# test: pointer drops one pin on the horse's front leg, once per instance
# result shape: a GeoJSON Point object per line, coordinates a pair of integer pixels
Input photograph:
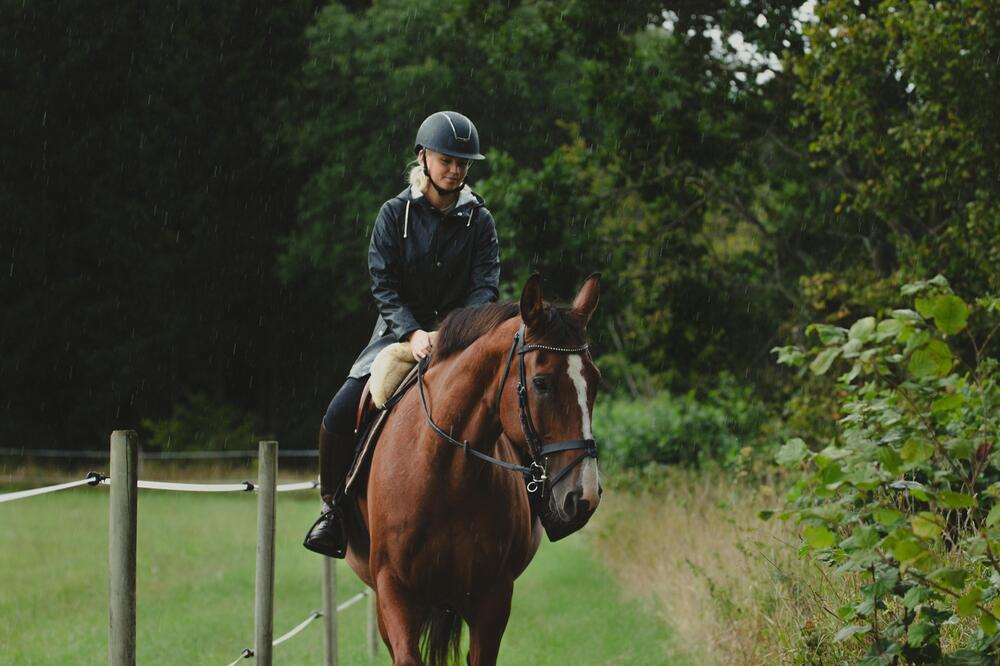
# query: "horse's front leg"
{"type": "Point", "coordinates": [487, 623]}
{"type": "Point", "coordinates": [399, 619]}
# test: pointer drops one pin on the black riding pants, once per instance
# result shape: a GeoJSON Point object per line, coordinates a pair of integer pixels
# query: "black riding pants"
{"type": "Point", "coordinates": [343, 409]}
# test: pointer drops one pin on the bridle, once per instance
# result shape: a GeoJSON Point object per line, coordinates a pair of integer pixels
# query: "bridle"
{"type": "Point", "coordinates": [536, 474]}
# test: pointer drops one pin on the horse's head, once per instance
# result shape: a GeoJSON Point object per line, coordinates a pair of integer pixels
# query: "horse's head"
{"type": "Point", "coordinates": [548, 413]}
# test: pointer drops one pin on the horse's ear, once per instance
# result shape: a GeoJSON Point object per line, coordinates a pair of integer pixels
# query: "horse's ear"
{"type": "Point", "coordinates": [586, 300]}
{"type": "Point", "coordinates": [532, 306]}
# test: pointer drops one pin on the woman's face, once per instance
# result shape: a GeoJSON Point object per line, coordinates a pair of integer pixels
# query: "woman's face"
{"type": "Point", "coordinates": [447, 171]}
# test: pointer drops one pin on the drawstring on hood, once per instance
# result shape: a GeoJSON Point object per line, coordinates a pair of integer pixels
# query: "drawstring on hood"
{"type": "Point", "coordinates": [465, 197]}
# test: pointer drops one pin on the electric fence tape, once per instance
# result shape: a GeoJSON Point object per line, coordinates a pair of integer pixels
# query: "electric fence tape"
{"type": "Point", "coordinates": [94, 479]}
{"type": "Point", "coordinates": [248, 653]}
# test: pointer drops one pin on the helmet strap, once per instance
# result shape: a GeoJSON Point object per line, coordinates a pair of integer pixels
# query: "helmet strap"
{"type": "Point", "coordinates": [440, 190]}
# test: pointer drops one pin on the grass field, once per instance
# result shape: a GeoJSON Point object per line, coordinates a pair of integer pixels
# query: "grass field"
{"type": "Point", "coordinates": [196, 580]}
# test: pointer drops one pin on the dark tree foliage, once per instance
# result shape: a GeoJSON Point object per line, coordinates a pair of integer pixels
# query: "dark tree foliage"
{"type": "Point", "coordinates": [187, 189]}
{"type": "Point", "coordinates": [141, 200]}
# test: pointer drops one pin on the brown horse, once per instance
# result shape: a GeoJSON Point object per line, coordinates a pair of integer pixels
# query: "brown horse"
{"type": "Point", "coordinates": [449, 529]}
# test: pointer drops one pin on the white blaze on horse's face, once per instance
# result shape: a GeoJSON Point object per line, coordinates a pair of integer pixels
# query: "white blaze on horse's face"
{"type": "Point", "coordinates": [589, 479]}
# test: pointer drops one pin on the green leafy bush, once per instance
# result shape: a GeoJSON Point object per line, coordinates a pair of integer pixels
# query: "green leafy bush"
{"type": "Point", "coordinates": [199, 423]}
{"type": "Point", "coordinates": [678, 429]}
{"type": "Point", "coordinates": [905, 496]}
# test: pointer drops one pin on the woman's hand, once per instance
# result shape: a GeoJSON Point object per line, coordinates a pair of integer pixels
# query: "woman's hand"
{"type": "Point", "coordinates": [421, 343]}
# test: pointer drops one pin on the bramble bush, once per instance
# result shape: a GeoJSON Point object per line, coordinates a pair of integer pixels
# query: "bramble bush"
{"type": "Point", "coordinates": [906, 494]}
{"type": "Point", "coordinates": [686, 430]}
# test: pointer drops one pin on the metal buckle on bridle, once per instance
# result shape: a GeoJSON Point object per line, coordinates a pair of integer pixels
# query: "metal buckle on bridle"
{"type": "Point", "coordinates": [538, 477]}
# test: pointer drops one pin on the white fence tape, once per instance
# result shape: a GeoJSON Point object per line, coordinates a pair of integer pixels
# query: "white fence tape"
{"type": "Point", "coordinates": [21, 494]}
{"type": "Point", "coordinates": [153, 455]}
{"type": "Point", "coordinates": [94, 479]}
{"type": "Point", "coordinates": [248, 653]}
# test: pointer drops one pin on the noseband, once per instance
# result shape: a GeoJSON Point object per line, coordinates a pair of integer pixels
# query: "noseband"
{"type": "Point", "coordinates": [536, 475]}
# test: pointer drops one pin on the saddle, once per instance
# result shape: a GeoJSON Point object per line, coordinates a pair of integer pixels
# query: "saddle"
{"type": "Point", "coordinates": [393, 373]}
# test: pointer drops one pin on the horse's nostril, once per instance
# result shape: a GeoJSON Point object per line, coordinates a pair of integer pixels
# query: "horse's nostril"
{"type": "Point", "coordinates": [569, 505]}
{"type": "Point", "coordinates": [575, 506]}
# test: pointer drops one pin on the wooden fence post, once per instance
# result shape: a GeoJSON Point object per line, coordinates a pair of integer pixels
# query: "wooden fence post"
{"type": "Point", "coordinates": [122, 547]}
{"type": "Point", "coordinates": [330, 610]}
{"type": "Point", "coordinates": [267, 475]}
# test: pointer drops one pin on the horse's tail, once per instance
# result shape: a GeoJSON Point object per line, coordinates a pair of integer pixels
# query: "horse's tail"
{"type": "Point", "coordinates": [442, 635]}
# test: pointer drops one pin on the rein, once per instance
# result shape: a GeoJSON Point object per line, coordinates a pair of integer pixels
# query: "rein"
{"type": "Point", "coordinates": [535, 475]}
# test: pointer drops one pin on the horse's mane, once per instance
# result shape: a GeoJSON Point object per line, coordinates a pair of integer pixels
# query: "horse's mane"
{"type": "Point", "coordinates": [464, 326]}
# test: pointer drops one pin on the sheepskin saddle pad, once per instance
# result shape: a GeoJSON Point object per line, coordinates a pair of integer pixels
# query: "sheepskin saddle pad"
{"type": "Point", "coordinates": [390, 368]}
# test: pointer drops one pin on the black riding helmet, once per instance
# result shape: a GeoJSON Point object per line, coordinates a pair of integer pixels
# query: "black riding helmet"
{"type": "Point", "coordinates": [451, 133]}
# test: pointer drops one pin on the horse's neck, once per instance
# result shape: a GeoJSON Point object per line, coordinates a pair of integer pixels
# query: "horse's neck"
{"type": "Point", "coordinates": [460, 394]}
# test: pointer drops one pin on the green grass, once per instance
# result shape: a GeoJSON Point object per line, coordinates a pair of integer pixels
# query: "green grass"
{"type": "Point", "coordinates": [196, 579]}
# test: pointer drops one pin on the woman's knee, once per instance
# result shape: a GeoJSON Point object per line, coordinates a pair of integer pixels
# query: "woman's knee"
{"type": "Point", "coordinates": [340, 413]}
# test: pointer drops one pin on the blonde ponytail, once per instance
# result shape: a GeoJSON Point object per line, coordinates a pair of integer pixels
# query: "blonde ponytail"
{"type": "Point", "coordinates": [416, 177]}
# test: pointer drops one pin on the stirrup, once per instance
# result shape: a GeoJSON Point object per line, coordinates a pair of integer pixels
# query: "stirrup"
{"type": "Point", "coordinates": [328, 535]}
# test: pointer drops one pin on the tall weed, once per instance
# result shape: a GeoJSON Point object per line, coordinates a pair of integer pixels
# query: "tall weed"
{"type": "Point", "coordinates": [733, 587]}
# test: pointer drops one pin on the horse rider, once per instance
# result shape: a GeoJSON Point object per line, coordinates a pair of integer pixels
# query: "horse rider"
{"type": "Point", "coordinates": [433, 249]}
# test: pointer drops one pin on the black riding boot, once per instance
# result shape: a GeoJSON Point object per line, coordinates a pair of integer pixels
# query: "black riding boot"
{"type": "Point", "coordinates": [328, 535]}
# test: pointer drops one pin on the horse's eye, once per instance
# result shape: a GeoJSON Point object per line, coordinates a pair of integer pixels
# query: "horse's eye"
{"type": "Point", "coordinates": [542, 383]}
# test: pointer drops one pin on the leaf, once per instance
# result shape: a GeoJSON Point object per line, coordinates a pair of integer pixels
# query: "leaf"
{"type": "Point", "coordinates": [862, 538]}
{"type": "Point", "coordinates": [907, 551]}
{"type": "Point", "coordinates": [916, 450]}
{"type": "Point", "coordinates": [951, 577]}
{"type": "Point", "coordinates": [765, 514]}
{"type": "Point", "coordinates": [925, 306]}
{"type": "Point", "coordinates": [906, 315]}
{"type": "Point", "coordinates": [914, 340]}
{"type": "Point", "coordinates": [993, 516]}
{"type": "Point", "coordinates": [828, 335]}
{"type": "Point", "coordinates": [831, 475]}
{"type": "Point", "coordinates": [988, 624]}
{"type": "Point", "coordinates": [824, 360]}
{"type": "Point", "coordinates": [967, 605]}
{"type": "Point", "coordinates": [950, 312]}
{"type": "Point", "coordinates": [790, 355]}
{"type": "Point", "coordinates": [989, 303]}
{"type": "Point", "coordinates": [932, 361]}
{"type": "Point", "coordinates": [917, 595]}
{"type": "Point", "coordinates": [851, 630]}
{"type": "Point", "coordinates": [792, 453]}
{"type": "Point", "coordinates": [852, 348]}
{"type": "Point", "coordinates": [889, 328]}
{"type": "Point", "coordinates": [862, 329]}
{"type": "Point", "coordinates": [920, 634]}
{"type": "Point", "coordinates": [918, 490]}
{"type": "Point", "coordinates": [926, 524]}
{"type": "Point", "coordinates": [889, 458]}
{"type": "Point", "coordinates": [952, 500]}
{"type": "Point", "coordinates": [960, 447]}
{"type": "Point", "coordinates": [819, 538]}
{"type": "Point", "coordinates": [887, 517]}
{"type": "Point", "coordinates": [947, 403]}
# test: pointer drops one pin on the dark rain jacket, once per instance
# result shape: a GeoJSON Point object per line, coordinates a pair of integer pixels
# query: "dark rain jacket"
{"type": "Point", "coordinates": [425, 264]}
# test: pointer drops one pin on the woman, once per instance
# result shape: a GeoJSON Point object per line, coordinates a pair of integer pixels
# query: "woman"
{"type": "Point", "coordinates": [433, 249]}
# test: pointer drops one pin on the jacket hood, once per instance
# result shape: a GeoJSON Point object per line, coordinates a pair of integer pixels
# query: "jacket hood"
{"type": "Point", "coordinates": [466, 197]}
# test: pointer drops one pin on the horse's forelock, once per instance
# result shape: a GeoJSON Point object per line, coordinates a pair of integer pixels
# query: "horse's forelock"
{"type": "Point", "coordinates": [466, 325]}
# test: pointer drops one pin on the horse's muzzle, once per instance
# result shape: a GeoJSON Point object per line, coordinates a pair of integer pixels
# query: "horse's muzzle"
{"type": "Point", "coordinates": [575, 513]}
